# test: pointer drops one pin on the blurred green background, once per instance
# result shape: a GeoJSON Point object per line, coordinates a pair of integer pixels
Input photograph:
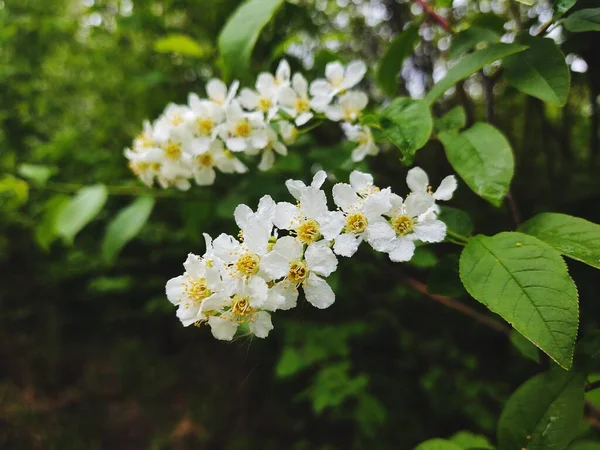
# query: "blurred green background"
{"type": "Point", "coordinates": [91, 353]}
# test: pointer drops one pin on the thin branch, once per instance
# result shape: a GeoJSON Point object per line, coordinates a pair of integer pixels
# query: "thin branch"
{"type": "Point", "coordinates": [593, 385]}
{"type": "Point", "coordinates": [441, 21]}
{"type": "Point", "coordinates": [458, 306]}
{"type": "Point", "coordinates": [514, 210]}
{"type": "Point", "coordinates": [128, 191]}
{"type": "Point", "coordinates": [592, 414]}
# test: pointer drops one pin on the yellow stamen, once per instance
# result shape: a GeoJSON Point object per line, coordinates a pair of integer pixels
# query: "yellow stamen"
{"type": "Point", "coordinates": [197, 290]}
{"type": "Point", "coordinates": [173, 150]}
{"type": "Point", "coordinates": [205, 126]}
{"type": "Point", "coordinates": [298, 272]}
{"type": "Point", "coordinates": [247, 264]}
{"type": "Point", "coordinates": [403, 224]}
{"type": "Point", "coordinates": [308, 231]}
{"type": "Point", "coordinates": [241, 306]}
{"type": "Point", "coordinates": [206, 160]}
{"type": "Point", "coordinates": [356, 223]}
{"type": "Point", "coordinates": [265, 104]}
{"type": "Point", "coordinates": [243, 129]}
{"type": "Point", "coordinates": [302, 105]}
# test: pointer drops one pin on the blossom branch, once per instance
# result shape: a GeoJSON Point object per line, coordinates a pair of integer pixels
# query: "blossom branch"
{"type": "Point", "coordinates": [441, 21]}
{"type": "Point", "coordinates": [458, 306]}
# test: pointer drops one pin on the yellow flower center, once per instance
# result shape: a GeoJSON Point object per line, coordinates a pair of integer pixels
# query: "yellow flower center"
{"type": "Point", "coordinates": [363, 139]}
{"type": "Point", "coordinates": [241, 306]}
{"type": "Point", "coordinates": [176, 120]}
{"type": "Point", "coordinates": [228, 154]}
{"type": "Point", "coordinates": [173, 150]}
{"type": "Point", "coordinates": [197, 290]}
{"type": "Point", "coordinates": [206, 160]}
{"type": "Point", "coordinates": [243, 129]}
{"type": "Point", "coordinates": [356, 223]}
{"type": "Point", "coordinates": [298, 272]}
{"type": "Point", "coordinates": [247, 264]}
{"type": "Point", "coordinates": [205, 126]}
{"type": "Point", "coordinates": [302, 105]}
{"type": "Point", "coordinates": [308, 231]}
{"type": "Point", "coordinates": [403, 224]}
{"type": "Point", "coordinates": [264, 104]}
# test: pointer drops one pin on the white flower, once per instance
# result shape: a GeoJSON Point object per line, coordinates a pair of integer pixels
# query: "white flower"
{"type": "Point", "coordinates": [339, 79]}
{"type": "Point", "coordinates": [203, 165]}
{"type": "Point", "coordinates": [173, 122]}
{"type": "Point", "coordinates": [407, 224]}
{"type": "Point", "coordinates": [288, 132]}
{"type": "Point", "coordinates": [217, 92]}
{"type": "Point", "coordinates": [363, 209]}
{"type": "Point", "coordinates": [243, 131]}
{"type": "Point", "coordinates": [268, 152]}
{"type": "Point", "coordinates": [418, 181]}
{"type": "Point", "coordinates": [208, 117]}
{"type": "Point", "coordinates": [287, 260]}
{"type": "Point", "coordinates": [348, 108]}
{"type": "Point", "coordinates": [362, 135]}
{"type": "Point", "coordinates": [295, 100]}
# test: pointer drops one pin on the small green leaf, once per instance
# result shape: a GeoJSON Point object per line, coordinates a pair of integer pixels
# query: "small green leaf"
{"type": "Point", "coordinates": [453, 120]}
{"type": "Point", "coordinates": [14, 192]}
{"type": "Point", "coordinates": [562, 6]}
{"type": "Point", "coordinates": [438, 444]}
{"type": "Point", "coordinates": [483, 158]}
{"type": "Point", "coordinates": [526, 348]}
{"type": "Point", "coordinates": [469, 39]}
{"type": "Point", "coordinates": [540, 71]}
{"type": "Point", "coordinates": [82, 208]}
{"type": "Point", "coordinates": [36, 172]}
{"type": "Point", "coordinates": [526, 282]}
{"type": "Point", "coordinates": [125, 226]}
{"type": "Point", "coordinates": [468, 440]}
{"type": "Point", "coordinates": [45, 232]}
{"type": "Point", "coordinates": [457, 220]}
{"type": "Point", "coordinates": [572, 236]}
{"type": "Point", "coordinates": [239, 35]}
{"type": "Point", "coordinates": [470, 64]}
{"type": "Point", "coordinates": [181, 44]}
{"type": "Point", "coordinates": [583, 20]}
{"type": "Point", "coordinates": [391, 63]}
{"type": "Point", "coordinates": [543, 413]}
{"type": "Point", "coordinates": [408, 124]}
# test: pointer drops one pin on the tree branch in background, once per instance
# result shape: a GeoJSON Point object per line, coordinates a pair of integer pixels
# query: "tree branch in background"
{"type": "Point", "coordinates": [593, 385]}
{"type": "Point", "coordinates": [458, 306]}
{"type": "Point", "coordinates": [441, 21]}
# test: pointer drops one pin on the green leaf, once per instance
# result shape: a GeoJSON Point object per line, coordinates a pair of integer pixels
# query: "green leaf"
{"type": "Point", "coordinates": [181, 44]}
{"type": "Point", "coordinates": [424, 258]}
{"type": "Point", "coordinates": [457, 220]}
{"type": "Point", "coordinates": [562, 6]}
{"type": "Point", "coordinates": [583, 20]}
{"type": "Point", "coordinates": [36, 172]}
{"type": "Point", "coordinates": [391, 63]}
{"type": "Point", "coordinates": [470, 64]}
{"type": "Point", "coordinates": [45, 232]}
{"type": "Point", "coordinates": [14, 192]}
{"type": "Point", "coordinates": [82, 208]}
{"type": "Point", "coordinates": [468, 39]}
{"type": "Point", "coordinates": [526, 348]}
{"type": "Point", "coordinates": [483, 158]}
{"type": "Point", "coordinates": [543, 413]}
{"type": "Point", "coordinates": [438, 444]}
{"type": "Point", "coordinates": [572, 236]}
{"type": "Point", "coordinates": [584, 445]}
{"type": "Point", "coordinates": [540, 71]}
{"type": "Point", "coordinates": [408, 124]}
{"type": "Point", "coordinates": [453, 120]}
{"type": "Point", "coordinates": [239, 35]}
{"type": "Point", "coordinates": [125, 226]}
{"type": "Point", "coordinates": [526, 282]}
{"type": "Point", "coordinates": [468, 440]}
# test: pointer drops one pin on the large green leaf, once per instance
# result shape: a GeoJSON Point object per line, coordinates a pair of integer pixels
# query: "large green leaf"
{"type": "Point", "coordinates": [562, 6]}
{"type": "Point", "coordinates": [483, 158]}
{"type": "Point", "coordinates": [525, 347]}
{"type": "Point", "coordinates": [240, 33]}
{"type": "Point", "coordinates": [526, 282]}
{"type": "Point", "coordinates": [125, 226]}
{"type": "Point", "coordinates": [407, 123]}
{"type": "Point", "coordinates": [468, 39]}
{"type": "Point", "coordinates": [391, 63]}
{"type": "Point", "coordinates": [453, 120]}
{"type": "Point", "coordinates": [82, 208]}
{"type": "Point", "coordinates": [470, 64]}
{"type": "Point", "coordinates": [438, 444]}
{"type": "Point", "coordinates": [543, 413]}
{"type": "Point", "coordinates": [572, 236]}
{"type": "Point", "coordinates": [583, 20]}
{"type": "Point", "coordinates": [584, 445]}
{"type": "Point", "coordinates": [540, 71]}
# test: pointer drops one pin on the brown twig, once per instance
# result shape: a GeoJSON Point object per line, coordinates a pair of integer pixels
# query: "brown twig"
{"type": "Point", "coordinates": [592, 414]}
{"type": "Point", "coordinates": [458, 306]}
{"type": "Point", "coordinates": [514, 210]}
{"type": "Point", "coordinates": [441, 21]}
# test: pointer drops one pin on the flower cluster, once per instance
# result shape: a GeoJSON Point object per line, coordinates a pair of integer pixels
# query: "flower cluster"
{"type": "Point", "coordinates": [283, 248]}
{"type": "Point", "coordinates": [188, 142]}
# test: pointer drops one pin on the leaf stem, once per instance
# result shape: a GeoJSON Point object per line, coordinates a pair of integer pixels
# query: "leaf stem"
{"type": "Point", "coordinates": [592, 385]}
{"type": "Point", "coordinates": [456, 238]}
{"type": "Point", "coordinates": [441, 21]}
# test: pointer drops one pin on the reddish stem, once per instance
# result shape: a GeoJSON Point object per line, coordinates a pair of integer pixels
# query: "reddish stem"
{"type": "Point", "coordinates": [435, 16]}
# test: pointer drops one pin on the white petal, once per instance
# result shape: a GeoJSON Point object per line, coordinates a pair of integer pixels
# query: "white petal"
{"type": "Point", "coordinates": [266, 208]}
{"type": "Point", "coordinates": [380, 236]}
{"type": "Point", "coordinates": [188, 314]}
{"type": "Point", "coordinates": [318, 293]}
{"type": "Point", "coordinates": [320, 258]}
{"type": "Point", "coordinates": [261, 324]}
{"type": "Point", "coordinates": [241, 214]}
{"type": "Point", "coordinates": [354, 73]}
{"type": "Point", "coordinates": [344, 196]}
{"type": "Point", "coordinates": [417, 180]}
{"type": "Point", "coordinates": [303, 118]}
{"type": "Point", "coordinates": [446, 189]}
{"type": "Point", "coordinates": [334, 71]}
{"type": "Point", "coordinates": [295, 187]}
{"type": "Point", "coordinates": [331, 224]}
{"type": "Point", "coordinates": [319, 179]}
{"type": "Point", "coordinates": [248, 99]}
{"type": "Point", "coordinates": [265, 82]}
{"type": "Point", "coordinates": [283, 71]}
{"type": "Point", "coordinates": [321, 88]}
{"type": "Point", "coordinates": [346, 244]}
{"type": "Point", "coordinates": [403, 250]}
{"type": "Point", "coordinates": [266, 160]}
{"type": "Point", "coordinates": [216, 90]}
{"type": "Point", "coordinates": [313, 202]}
{"type": "Point", "coordinates": [175, 289]}
{"type": "Point", "coordinates": [360, 181]}
{"type": "Point", "coordinates": [194, 266]}
{"type": "Point", "coordinates": [378, 203]}
{"type": "Point", "coordinates": [260, 139]}
{"type": "Point", "coordinates": [300, 84]}
{"type": "Point", "coordinates": [274, 265]}
{"type": "Point", "coordinates": [236, 144]}
{"type": "Point", "coordinates": [205, 176]}
{"type": "Point", "coordinates": [417, 203]}
{"type": "Point", "coordinates": [226, 248]}
{"type": "Point", "coordinates": [256, 235]}
{"type": "Point", "coordinates": [287, 97]}
{"type": "Point", "coordinates": [290, 247]}
{"type": "Point", "coordinates": [258, 290]}
{"type": "Point", "coordinates": [285, 215]}
{"type": "Point", "coordinates": [222, 329]}
{"type": "Point", "coordinates": [431, 231]}
{"type": "Point", "coordinates": [334, 113]}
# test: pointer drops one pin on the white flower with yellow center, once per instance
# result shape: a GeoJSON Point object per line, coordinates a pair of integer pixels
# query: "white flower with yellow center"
{"type": "Point", "coordinates": [264, 98]}
{"type": "Point", "coordinates": [218, 92]}
{"type": "Point", "coordinates": [174, 121]}
{"type": "Point", "coordinates": [363, 209]}
{"type": "Point", "coordinates": [203, 165]}
{"type": "Point", "coordinates": [363, 136]}
{"type": "Point", "coordinates": [348, 108]}
{"type": "Point", "coordinates": [407, 223]}
{"type": "Point", "coordinates": [288, 132]}
{"type": "Point", "coordinates": [243, 131]}
{"type": "Point", "coordinates": [205, 125]}
{"type": "Point", "coordinates": [288, 260]}
{"type": "Point", "coordinates": [338, 79]}
{"type": "Point", "coordinates": [273, 146]}
{"type": "Point", "coordinates": [418, 181]}
{"type": "Point", "coordinates": [295, 100]}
